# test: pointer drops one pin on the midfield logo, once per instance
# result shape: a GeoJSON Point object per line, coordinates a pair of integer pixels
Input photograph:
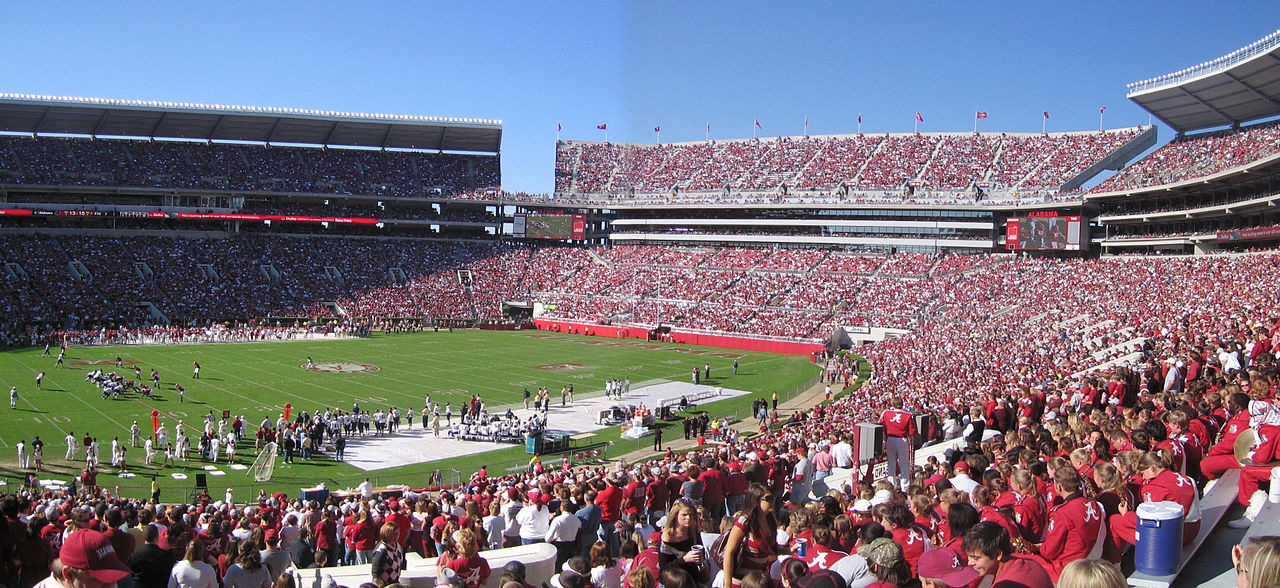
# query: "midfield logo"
{"type": "Point", "coordinates": [337, 367]}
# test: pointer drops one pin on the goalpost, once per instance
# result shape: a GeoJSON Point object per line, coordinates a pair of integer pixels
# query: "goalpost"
{"type": "Point", "coordinates": [265, 465]}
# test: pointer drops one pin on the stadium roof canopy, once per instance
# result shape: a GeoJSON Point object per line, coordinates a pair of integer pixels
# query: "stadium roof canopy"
{"type": "Point", "coordinates": [29, 113]}
{"type": "Point", "coordinates": [1234, 89]}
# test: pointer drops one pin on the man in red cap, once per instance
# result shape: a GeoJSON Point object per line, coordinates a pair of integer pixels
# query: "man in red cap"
{"type": "Point", "coordinates": [87, 561]}
{"type": "Point", "coordinates": [401, 520]}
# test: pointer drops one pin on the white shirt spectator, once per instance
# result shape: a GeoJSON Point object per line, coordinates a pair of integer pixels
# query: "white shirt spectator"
{"type": "Point", "coordinates": [564, 527]}
{"type": "Point", "coordinates": [534, 521]}
{"type": "Point", "coordinates": [963, 483]}
{"type": "Point", "coordinates": [842, 452]}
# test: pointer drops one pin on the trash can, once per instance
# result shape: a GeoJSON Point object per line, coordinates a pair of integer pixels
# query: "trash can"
{"type": "Point", "coordinates": [1158, 548]}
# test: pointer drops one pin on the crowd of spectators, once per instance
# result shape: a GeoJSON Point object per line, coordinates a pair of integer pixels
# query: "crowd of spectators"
{"type": "Point", "coordinates": [1197, 156]}
{"type": "Point", "coordinates": [946, 166]}
{"type": "Point", "coordinates": [1068, 376]}
{"type": "Point", "coordinates": [908, 264]}
{"type": "Point", "coordinates": [170, 164]}
{"type": "Point", "coordinates": [83, 281]}
{"type": "Point", "coordinates": [106, 281]}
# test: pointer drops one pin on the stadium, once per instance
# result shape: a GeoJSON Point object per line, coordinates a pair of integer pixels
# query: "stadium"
{"type": "Point", "coordinates": [951, 339]}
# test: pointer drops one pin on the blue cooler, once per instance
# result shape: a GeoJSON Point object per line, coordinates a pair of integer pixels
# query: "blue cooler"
{"type": "Point", "coordinates": [1158, 548]}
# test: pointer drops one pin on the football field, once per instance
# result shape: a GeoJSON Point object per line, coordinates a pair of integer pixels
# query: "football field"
{"type": "Point", "coordinates": [256, 380]}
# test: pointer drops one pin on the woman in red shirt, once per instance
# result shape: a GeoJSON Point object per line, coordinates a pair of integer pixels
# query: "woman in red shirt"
{"type": "Point", "coordinates": [987, 512]}
{"type": "Point", "coordinates": [1160, 484]}
{"type": "Point", "coordinates": [363, 536]}
{"type": "Point", "coordinates": [751, 545]}
{"type": "Point", "coordinates": [1028, 507]}
{"type": "Point", "coordinates": [469, 566]}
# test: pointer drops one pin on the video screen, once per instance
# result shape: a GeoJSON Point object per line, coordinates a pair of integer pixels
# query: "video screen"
{"type": "Point", "coordinates": [550, 226]}
{"type": "Point", "coordinates": [1057, 233]}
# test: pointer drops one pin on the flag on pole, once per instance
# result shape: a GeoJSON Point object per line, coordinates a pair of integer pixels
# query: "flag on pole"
{"type": "Point", "coordinates": [859, 118]}
{"type": "Point", "coordinates": [806, 124]}
{"type": "Point", "coordinates": [603, 127]}
{"type": "Point", "coordinates": [1102, 110]}
{"type": "Point", "coordinates": [1046, 114]}
{"type": "Point", "coordinates": [558, 129]}
{"type": "Point", "coordinates": [758, 123]}
{"type": "Point", "coordinates": [981, 114]}
{"type": "Point", "coordinates": [708, 127]}
{"type": "Point", "coordinates": [919, 118]}
{"type": "Point", "coordinates": [657, 129]}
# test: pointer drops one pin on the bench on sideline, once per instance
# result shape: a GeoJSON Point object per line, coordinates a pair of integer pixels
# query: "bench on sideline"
{"type": "Point", "coordinates": [1213, 506]}
{"type": "Point", "coordinates": [1266, 523]}
{"type": "Point", "coordinates": [691, 398]}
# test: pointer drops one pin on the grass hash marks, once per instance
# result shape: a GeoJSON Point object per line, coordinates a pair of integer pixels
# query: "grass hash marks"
{"type": "Point", "coordinates": [257, 379]}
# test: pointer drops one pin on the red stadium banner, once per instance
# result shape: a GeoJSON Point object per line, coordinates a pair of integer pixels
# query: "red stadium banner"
{"type": "Point", "coordinates": [276, 217]}
{"type": "Point", "coordinates": [1249, 234]}
{"type": "Point", "coordinates": [579, 227]}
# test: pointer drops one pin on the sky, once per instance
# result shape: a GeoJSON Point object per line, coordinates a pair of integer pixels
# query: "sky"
{"type": "Point", "coordinates": [633, 65]}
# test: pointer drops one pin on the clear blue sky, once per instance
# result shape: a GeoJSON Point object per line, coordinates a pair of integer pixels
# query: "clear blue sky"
{"type": "Point", "coordinates": [632, 65]}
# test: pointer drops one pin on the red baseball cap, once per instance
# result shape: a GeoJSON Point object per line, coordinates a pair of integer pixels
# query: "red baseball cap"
{"type": "Point", "coordinates": [944, 564]}
{"type": "Point", "coordinates": [90, 550]}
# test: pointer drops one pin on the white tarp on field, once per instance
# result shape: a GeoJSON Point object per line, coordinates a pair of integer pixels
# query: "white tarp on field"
{"type": "Point", "coordinates": [414, 445]}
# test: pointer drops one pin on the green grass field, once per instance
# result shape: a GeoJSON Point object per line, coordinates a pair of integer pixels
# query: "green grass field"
{"type": "Point", "coordinates": [257, 379]}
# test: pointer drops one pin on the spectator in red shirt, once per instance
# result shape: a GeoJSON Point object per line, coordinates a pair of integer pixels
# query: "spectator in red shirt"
{"type": "Point", "coordinates": [401, 520]}
{"type": "Point", "coordinates": [656, 493]}
{"type": "Point", "coordinates": [735, 488]}
{"type": "Point", "coordinates": [899, 521]}
{"type": "Point", "coordinates": [1222, 455]}
{"type": "Point", "coordinates": [1076, 527]}
{"type": "Point", "coordinates": [610, 502]}
{"type": "Point", "coordinates": [899, 427]}
{"type": "Point", "coordinates": [713, 490]}
{"type": "Point", "coordinates": [326, 533]}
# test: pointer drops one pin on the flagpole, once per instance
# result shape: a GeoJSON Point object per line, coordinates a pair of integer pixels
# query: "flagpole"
{"type": "Point", "coordinates": [557, 131]}
{"type": "Point", "coordinates": [859, 123]}
{"type": "Point", "coordinates": [915, 128]}
{"type": "Point", "coordinates": [975, 122]}
{"type": "Point", "coordinates": [708, 132]}
{"type": "Point", "coordinates": [755, 125]}
{"type": "Point", "coordinates": [1044, 122]}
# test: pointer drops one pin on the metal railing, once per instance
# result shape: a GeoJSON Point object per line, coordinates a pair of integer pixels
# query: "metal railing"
{"type": "Point", "coordinates": [1259, 47]}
